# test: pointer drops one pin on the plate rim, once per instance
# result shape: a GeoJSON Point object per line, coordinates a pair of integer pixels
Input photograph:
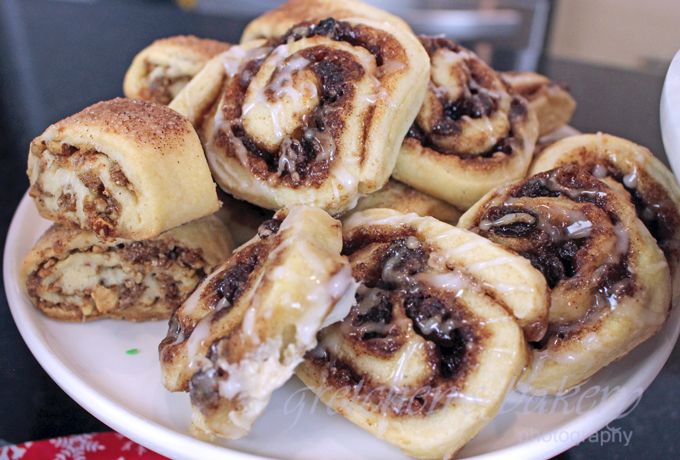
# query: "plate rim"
{"type": "Point", "coordinates": [173, 444]}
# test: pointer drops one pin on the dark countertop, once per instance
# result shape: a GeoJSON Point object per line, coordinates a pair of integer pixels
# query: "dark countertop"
{"type": "Point", "coordinates": [43, 79]}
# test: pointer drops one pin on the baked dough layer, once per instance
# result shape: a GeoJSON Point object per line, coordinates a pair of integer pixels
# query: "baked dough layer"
{"type": "Point", "coordinates": [400, 197]}
{"type": "Point", "coordinates": [160, 71]}
{"type": "Point", "coordinates": [551, 101]}
{"type": "Point", "coordinates": [71, 275]}
{"type": "Point", "coordinates": [123, 169]}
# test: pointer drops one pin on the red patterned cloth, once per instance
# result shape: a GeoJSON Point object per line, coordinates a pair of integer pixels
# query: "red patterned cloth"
{"type": "Point", "coordinates": [95, 446]}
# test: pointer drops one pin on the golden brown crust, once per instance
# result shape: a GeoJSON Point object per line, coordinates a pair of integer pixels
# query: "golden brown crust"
{"type": "Point", "coordinates": [143, 121]}
{"type": "Point", "coordinates": [400, 197]}
{"type": "Point", "coordinates": [204, 47]}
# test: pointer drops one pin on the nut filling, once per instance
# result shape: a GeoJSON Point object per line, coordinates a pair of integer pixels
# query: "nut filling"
{"type": "Point", "coordinates": [394, 301]}
{"type": "Point", "coordinates": [304, 157]}
{"type": "Point", "coordinates": [135, 281]}
{"type": "Point", "coordinates": [85, 198]}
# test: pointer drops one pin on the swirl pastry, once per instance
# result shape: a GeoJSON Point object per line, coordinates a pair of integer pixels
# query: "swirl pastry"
{"type": "Point", "coordinates": [551, 101]}
{"type": "Point", "coordinates": [123, 169]}
{"type": "Point", "coordinates": [241, 333]}
{"type": "Point", "coordinates": [633, 169]}
{"type": "Point", "coordinates": [71, 275]}
{"type": "Point", "coordinates": [277, 22]}
{"type": "Point", "coordinates": [471, 134]}
{"type": "Point", "coordinates": [425, 357]}
{"type": "Point", "coordinates": [610, 282]}
{"type": "Point", "coordinates": [400, 197]}
{"type": "Point", "coordinates": [314, 117]}
{"type": "Point", "coordinates": [160, 71]}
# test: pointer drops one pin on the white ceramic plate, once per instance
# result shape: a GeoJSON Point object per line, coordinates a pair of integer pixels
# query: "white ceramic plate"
{"type": "Point", "coordinates": [89, 361]}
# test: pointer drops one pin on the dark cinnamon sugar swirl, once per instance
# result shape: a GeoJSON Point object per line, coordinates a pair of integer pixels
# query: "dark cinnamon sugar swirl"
{"type": "Point", "coordinates": [425, 357]}
{"type": "Point", "coordinates": [610, 281]}
{"type": "Point", "coordinates": [160, 71]}
{"type": "Point", "coordinates": [241, 333]}
{"type": "Point", "coordinates": [313, 117]}
{"type": "Point", "coordinates": [638, 174]}
{"type": "Point", "coordinates": [71, 275]}
{"type": "Point", "coordinates": [471, 134]}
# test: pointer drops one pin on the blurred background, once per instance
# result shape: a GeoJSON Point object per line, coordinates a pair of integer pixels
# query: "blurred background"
{"type": "Point", "coordinates": [59, 56]}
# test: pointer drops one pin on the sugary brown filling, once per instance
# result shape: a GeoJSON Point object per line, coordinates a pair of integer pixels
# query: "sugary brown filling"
{"type": "Point", "coordinates": [308, 153]}
{"type": "Point", "coordinates": [389, 293]}
{"type": "Point", "coordinates": [102, 209]}
{"type": "Point", "coordinates": [145, 257]}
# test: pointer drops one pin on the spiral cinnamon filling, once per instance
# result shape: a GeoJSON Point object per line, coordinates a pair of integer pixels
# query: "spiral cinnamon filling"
{"type": "Point", "coordinates": [305, 157]}
{"type": "Point", "coordinates": [96, 179]}
{"type": "Point", "coordinates": [565, 241]}
{"type": "Point", "coordinates": [396, 299]}
{"type": "Point", "coordinates": [480, 96]}
{"type": "Point", "coordinates": [224, 290]}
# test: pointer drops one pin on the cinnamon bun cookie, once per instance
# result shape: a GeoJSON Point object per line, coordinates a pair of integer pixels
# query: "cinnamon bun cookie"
{"type": "Point", "coordinates": [314, 117]}
{"type": "Point", "coordinates": [638, 174]}
{"type": "Point", "coordinates": [123, 169]}
{"type": "Point", "coordinates": [471, 134]}
{"type": "Point", "coordinates": [400, 197]}
{"type": "Point", "coordinates": [551, 101]}
{"type": "Point", "coordinates": [425, 357]}
{"type": "Point", "coordinates": [277, 22]}
{"type": "Point", "coordinates": [160, 71]}
{"type": "Point", "coordinates": [610, 281]}
{"type": "Point", "coordinates": [71, 275]}
{"type": "Point", "coordinates": [241, 333]}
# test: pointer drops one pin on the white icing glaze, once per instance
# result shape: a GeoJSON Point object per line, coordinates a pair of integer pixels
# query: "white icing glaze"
{"type": "Point", "coordinates": [599, 171]}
